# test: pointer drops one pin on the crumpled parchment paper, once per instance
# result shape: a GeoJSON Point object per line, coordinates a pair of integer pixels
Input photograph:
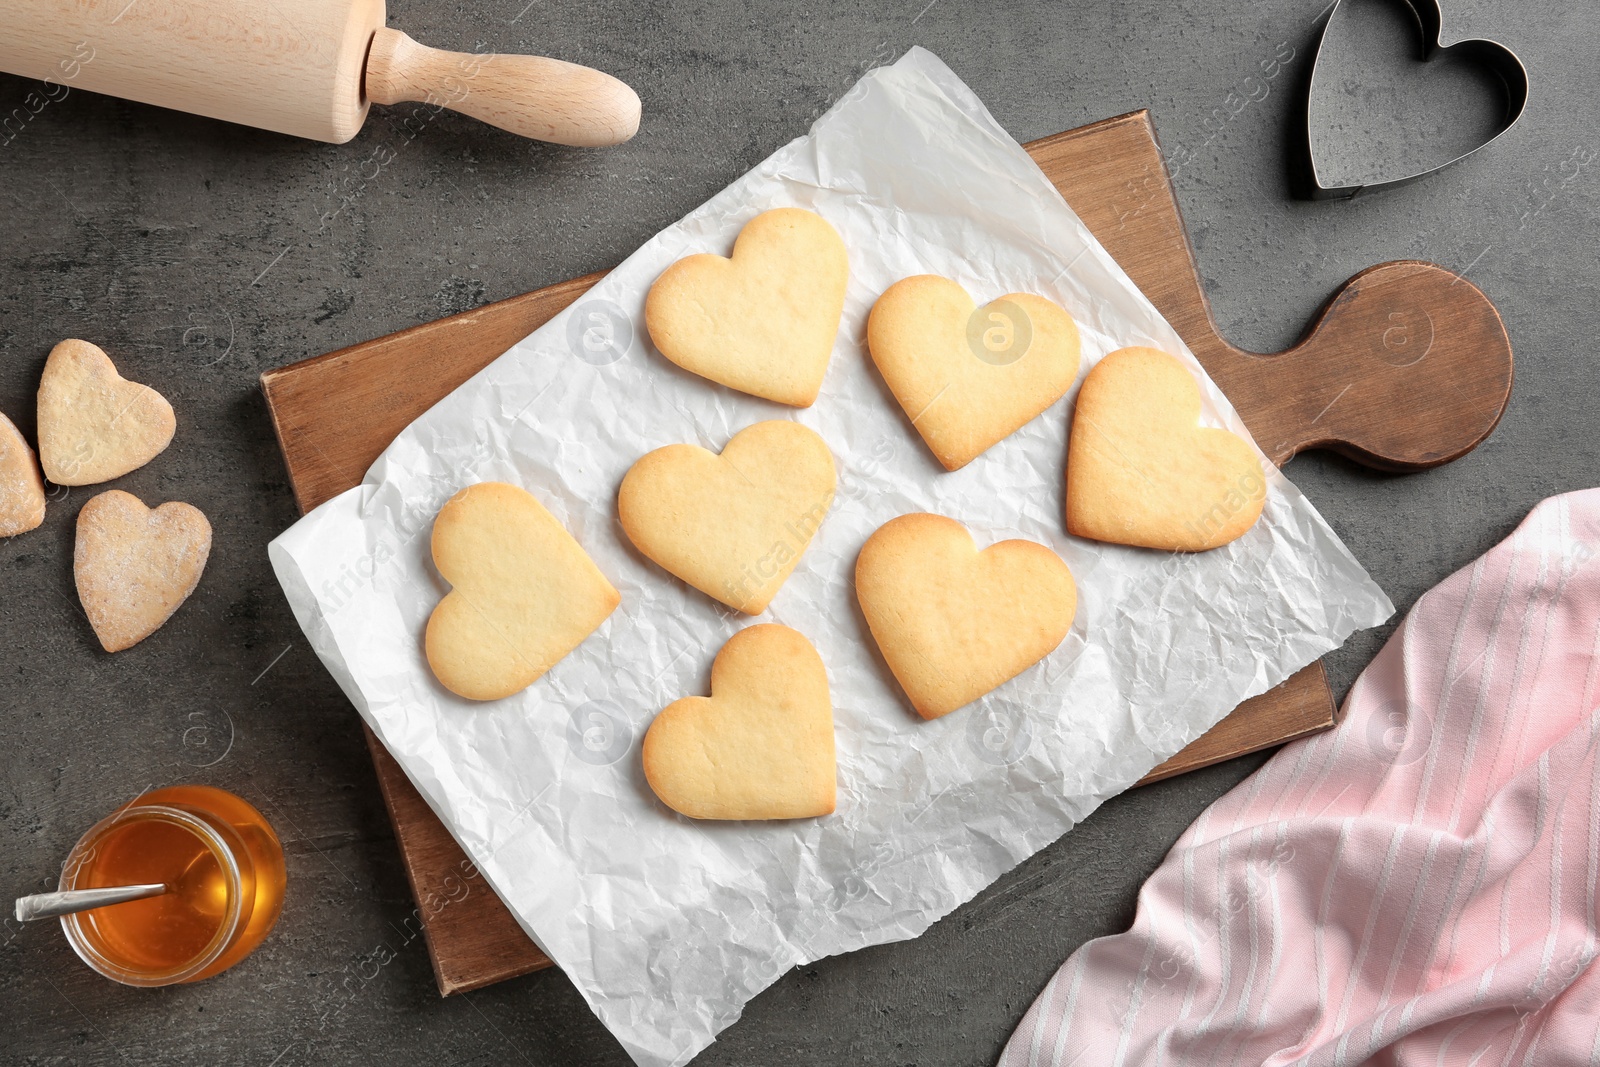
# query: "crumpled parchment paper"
{"type": "Point", "coordinates": [668, 926]}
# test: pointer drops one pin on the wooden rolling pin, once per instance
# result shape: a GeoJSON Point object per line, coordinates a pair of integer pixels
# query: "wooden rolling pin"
{"type": "Point", "coordinates": [310, 68]}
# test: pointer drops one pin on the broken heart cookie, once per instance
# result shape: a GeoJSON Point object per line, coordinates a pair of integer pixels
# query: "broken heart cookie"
{"type": "Point", "coordinates": [953, 622]}
{"type": "Point", "coordinates": [523, 592]}
{"type": "Point", "coordinates": [733, 526]}
{"type": "Point", "coordinates": [1142, 471]}
{"type": "Point", "coordinates": [94, 424]}
{"type": "Point", "coordinates": [969, 377]}
{"type": "Point", "coordinates": [135, 566]}
{"type": "Point", "coordinates": [760, 746]}
{"type": "Point", "coordinates": [764, 321]}
{"type": "Point", "coordinates": [21, 488]}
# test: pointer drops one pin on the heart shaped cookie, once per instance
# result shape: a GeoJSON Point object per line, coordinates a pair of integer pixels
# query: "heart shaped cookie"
{"type": "Point", "coordinates": [733, 526]}
{"type": "Point", "coordinates": [1141, 470]}
{"type": "Point", "coordinates": [94, 424]}
{"type": "Point", "coordinates": [760, 746]}
{"type": "Point", "coordinates": [21, 488]}
{"type": "Point", "coordinates": [523, 592]}
{"type": "Point", "coordinates": [952, 622]}
{"type": "Point", "coordinates": [135, 566]}
{"type": "Point", "coordinates": [966, 376]}
{"type": "Point", "coordinates": [764, 321]}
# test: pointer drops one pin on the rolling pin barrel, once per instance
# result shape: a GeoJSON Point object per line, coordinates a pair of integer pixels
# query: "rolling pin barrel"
{"type": "Point", "coordinates": [299, 67]}
{"type": "Point", "coordinates": [294, 66]}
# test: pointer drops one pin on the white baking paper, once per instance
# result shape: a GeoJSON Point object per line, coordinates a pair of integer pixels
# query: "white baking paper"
{"type": "Point", "coordinates": [669, 926]}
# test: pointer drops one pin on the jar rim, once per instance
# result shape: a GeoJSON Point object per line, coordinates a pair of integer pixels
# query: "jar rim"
{"type": "Point", "coordinates": [226, 929]}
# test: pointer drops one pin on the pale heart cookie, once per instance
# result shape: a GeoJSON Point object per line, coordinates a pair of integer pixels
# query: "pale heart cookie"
{"type": "Point", "coordinates": [524, 593]}
{"type": "Point", "coordinates": [1141, 470]}
{"type": "Point", "coordinates": [760, 746]}
{"type": "Point", "coordinates": [94, 424]}
{"type": "Point", "coordinates": [764, 321]}
{"type": "Point", "coordinates": [966, 376]}
{"type": "Point", "coordinates": [952, 622]}
{"type": "Point", "coordinates": [135, 566]}
{"type": "Point", "coordinates": [733, 526]}
{"type": "Point", "coordinates": [21, 488]}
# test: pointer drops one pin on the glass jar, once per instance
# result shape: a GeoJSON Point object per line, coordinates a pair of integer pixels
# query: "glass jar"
{"type": "Point", "coordinates": [223, 865]}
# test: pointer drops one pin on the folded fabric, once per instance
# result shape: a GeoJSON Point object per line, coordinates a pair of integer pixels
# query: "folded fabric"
{"type": "Point", "coordinates": [1416, 886]}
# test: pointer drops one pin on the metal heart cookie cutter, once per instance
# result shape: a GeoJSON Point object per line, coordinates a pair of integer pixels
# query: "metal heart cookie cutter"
{"type": "Point", "coordinates": [1489, 55]}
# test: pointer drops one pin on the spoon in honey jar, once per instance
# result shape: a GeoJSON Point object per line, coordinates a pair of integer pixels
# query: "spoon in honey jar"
{"type": "Point", "coordinates": [71, 901]}
{"type": "Point", "coordinates": [52, 905]}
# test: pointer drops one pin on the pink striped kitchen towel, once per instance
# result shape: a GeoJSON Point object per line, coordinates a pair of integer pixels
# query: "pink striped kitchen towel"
{"type": "Point", "coordinates": [1416, 886]}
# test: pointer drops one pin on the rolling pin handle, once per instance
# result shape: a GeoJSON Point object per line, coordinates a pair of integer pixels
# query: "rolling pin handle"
{"type": "Point", "coordinates": [532, 96]}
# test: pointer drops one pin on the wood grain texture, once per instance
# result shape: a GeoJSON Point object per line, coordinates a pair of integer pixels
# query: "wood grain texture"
{"type": "Point", "coordinates": [472, 939]}
{"type": "Point", "coordinates": [1355, 384]}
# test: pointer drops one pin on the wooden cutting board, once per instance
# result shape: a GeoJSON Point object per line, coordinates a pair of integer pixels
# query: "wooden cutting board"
{"type": "Point", "coordinates": [1406, 367]}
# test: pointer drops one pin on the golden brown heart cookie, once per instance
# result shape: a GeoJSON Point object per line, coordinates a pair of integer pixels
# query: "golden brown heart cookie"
{"type": "Point", "coordinates": [970, 377]}
{"type": "Point", "coordinates": [523, 592]}
{"type": "Point", "coordinates": [764, 321]}
{"type": "Point", "coordinates": [135, 566]}
{"type": "Point", "coordinates": [952, 622]}
{"type": "Point", "coordinates": [733, 526]}
{"type": "Point", "coordinates": [760, 746]}
{"type": "Point", "coordinates": [94, 424]}
{"type": "Point", "coordinates": [21, 488]}
{"type": "Point", "coordinates": [1141, 470]}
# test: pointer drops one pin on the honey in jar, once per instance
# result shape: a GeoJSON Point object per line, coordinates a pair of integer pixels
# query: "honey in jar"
{"type": "Point", "coordinates": [223, 867]}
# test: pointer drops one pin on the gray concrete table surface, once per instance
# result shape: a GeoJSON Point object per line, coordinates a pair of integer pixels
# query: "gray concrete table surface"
{"type": "Point", "coordinates": [201, 254]}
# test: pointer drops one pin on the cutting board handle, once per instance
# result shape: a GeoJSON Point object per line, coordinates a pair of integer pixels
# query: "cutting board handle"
{"type": "Point", "coordinates": [1408, 366]}
{"type": "Point", "coordinates": [533, 96]}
